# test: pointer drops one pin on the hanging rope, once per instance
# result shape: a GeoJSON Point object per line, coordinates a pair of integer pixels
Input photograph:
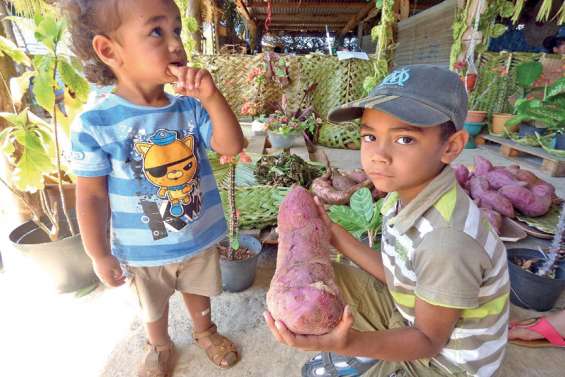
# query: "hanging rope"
{"type": "Point", "coordinates": [269, 15]}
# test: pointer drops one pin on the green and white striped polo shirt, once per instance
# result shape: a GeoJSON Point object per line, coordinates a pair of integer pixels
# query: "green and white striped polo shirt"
{"type": "Point", "coordinates": [441, 249]}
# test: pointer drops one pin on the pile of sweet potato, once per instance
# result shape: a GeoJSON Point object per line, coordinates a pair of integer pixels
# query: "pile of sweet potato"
{"type": "Point", "coordinates": [303, 294]}
{"type": "Point", "coordinates": [335, 187]}
{"type": "Point", "coordinates": [500, 191]}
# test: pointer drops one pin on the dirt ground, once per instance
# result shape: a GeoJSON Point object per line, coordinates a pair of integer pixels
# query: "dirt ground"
{"type": "Point", "coordinates": [44, 334]}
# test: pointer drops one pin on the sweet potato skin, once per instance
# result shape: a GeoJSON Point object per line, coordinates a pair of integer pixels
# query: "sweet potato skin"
{"type": "Point", "coordinates": [529, 202]}
{"type": "Point", "coordinates": [303, 294]}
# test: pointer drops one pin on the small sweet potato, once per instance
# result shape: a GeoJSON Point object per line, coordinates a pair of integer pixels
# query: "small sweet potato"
{"type": "Point", "coordinates": [357, 175]}
{"type": "Point", "coordinates": [498, 178]}
{"type": "Point", "coordinates": [323, 189]}
{"type": "Point", "coordinates": [462, 175]}
{"type": "Point", "coordinates": [482, 165]}
{"type": "Point", "coordinates": [341, 182]}
{"type": "Point", "coordinates": [478, 185]}
{"type": "Point", "coordinates": [497, 201]}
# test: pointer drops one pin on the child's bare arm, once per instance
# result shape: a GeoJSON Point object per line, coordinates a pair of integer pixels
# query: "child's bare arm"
{"type": "Point", "coordinates": [227, 138]}
{"type": "Point", "coordinates": [93, 216]}
{"type": "Point", "coordinates": [426, 339]}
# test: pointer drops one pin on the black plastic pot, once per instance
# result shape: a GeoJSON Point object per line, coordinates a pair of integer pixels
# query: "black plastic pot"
{"type": "Point", "coordinates": [62, 264]}
{"type": "Point", "coordinates": [559, 141]}
{"type": "Point", "coordinates": [527, 129]}
{"type": "Point", "coordinates": [529, 290]}
{"type": "Point", "coordinates": [237, 276]}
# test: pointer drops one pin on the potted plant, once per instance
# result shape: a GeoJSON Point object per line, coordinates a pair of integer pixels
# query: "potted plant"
{"type": "Point", "coordinates": [284, 125]}
{"type": "Point", "coordinates": [538, 278]}
{"type": "Point", "coordinates": [49, 241]}
{"type": "Point", "coordinates": [240, 252]}
{"type": "Point", "coordinates": [539, 107]}
{"type": "Point", "coordinates": [362, 218]}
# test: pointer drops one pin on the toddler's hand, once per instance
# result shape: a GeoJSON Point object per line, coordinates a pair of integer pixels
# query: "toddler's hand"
{"type": "Point", "coordinates": [193, 82]}
{"type": "Point", "coordinates": [109, 271]}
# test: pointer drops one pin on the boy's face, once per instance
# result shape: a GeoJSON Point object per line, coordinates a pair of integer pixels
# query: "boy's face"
{"type": "Point", "coordinates": [148, 41]}
{"type": "Point", "coordinates": [403, 158]}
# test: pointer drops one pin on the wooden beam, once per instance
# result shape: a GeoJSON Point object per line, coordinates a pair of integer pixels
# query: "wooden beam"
{"type": "Point", "coordinates": [251, 25]}
{"type": "Point", "coordinates": [401, 9]}
{"type": "Point", "coordinates": [321, 5]}
{"type": "Point", "coordinates": [357, 18]}
{"type": "Point", "coordinates": [303, 18]}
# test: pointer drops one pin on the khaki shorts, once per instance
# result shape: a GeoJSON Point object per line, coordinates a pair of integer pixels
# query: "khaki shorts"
{"type": "Point", "coordinates": [154, 286]}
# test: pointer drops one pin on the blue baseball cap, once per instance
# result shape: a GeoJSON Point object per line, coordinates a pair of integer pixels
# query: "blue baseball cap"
{"type": "Point", "coordinates": [422, 95]}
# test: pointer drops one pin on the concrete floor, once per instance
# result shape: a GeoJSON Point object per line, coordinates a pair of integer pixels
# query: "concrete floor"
{"type": "Point", "coordinates": [47, 334]}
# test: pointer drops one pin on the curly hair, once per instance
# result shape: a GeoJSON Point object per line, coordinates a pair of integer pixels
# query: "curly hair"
{"type": "Point", "coordinates": [86, 19]}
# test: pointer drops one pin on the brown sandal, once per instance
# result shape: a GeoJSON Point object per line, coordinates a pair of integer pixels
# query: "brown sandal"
{"type": "Point", "coordinates": [158, 361]}
{"type": "Point", "coordinates": [221, 351]}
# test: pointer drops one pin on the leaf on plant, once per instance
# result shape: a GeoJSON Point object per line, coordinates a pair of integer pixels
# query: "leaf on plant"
{"type": "Point", "coordinates": [506, 9]}
{"type": "Point", "coordinates": [191, 24]}
{"type": "Point", "coordinates": [49, 31]}
{"type": "Point", "coordinates": [74, 80]}
{"type": "Point", "coordinates": [8, 47]}
{"type": "Point", "coordinates": [362, 203]}
{"type": "Point", "coordinates": [375, 32]}
{"type": "Point", "coordinates": [555, 89]}
{"type": "Point", "coordinates": [235, 244]}
{"type": "Point", "coordinates": [20, 85]}
{"type": "Point", "coordinates": [527, 73]}
{"type": "Point", "coordinates": [7, 141]}
{"type": "Point", "coordinates": [32, 165]}
{"type": "Point", "coordinates": [43, 91]}
{"type": "Point", "coordinates": [498, 30]}
{"type": "Point", "coordinates": [347, 218]}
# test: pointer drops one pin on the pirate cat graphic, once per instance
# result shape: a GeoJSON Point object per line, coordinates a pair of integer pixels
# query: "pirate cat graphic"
{"type": "Point", "coordinates": [171, 165]}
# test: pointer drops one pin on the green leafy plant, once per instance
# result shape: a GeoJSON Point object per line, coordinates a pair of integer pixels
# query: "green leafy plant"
{"type": "Point", "coordinates": [549, 108]}
{"type": "Point", "coordinates": [362, 216]}
{"type": "Point", "coordinates": [384, 36]}
{"type": "Point", "coordinates": [32, 144]}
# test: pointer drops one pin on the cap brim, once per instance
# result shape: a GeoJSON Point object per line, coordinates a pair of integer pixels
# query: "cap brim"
{"type": "Point", "coordinates": [406, 109]}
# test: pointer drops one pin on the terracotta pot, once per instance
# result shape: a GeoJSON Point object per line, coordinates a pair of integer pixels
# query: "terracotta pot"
{"type": "Point", "coordinates": [498, 122]}
{"type": "Point", "coordinates": [475, 116]}
{"type": "Point", "coordinates": [470, 81]}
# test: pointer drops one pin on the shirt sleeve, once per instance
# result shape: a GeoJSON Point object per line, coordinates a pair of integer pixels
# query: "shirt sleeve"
{"type": "Point", "coordinates": [449, 267]}
{"type": "Point", "coordinates": [87, 157]}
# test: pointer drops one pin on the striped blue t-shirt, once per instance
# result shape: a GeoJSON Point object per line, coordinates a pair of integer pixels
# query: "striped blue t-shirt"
{"type": "Point", "coordinates": [164, 200]}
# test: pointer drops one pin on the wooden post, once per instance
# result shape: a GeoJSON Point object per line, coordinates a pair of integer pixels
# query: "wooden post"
{"type": "Point", "coordinates": [216, 23]}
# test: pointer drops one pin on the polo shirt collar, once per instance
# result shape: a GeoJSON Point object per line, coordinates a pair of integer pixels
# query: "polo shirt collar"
{"type": "Point", "coordinates": [429, 196]}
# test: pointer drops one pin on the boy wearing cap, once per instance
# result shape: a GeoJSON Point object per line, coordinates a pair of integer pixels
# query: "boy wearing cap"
{"type": "Point", "coordinates": [434, 301]}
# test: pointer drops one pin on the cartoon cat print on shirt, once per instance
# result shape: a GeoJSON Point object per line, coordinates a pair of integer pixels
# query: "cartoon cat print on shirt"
{"type": "Point", "coordinates": [171, 165]}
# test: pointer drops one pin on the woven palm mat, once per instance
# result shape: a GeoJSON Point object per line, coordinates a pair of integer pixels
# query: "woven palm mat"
{"type": "Point", "coordinates": [258, 206]}
{"type": "Point", "coordinates": [337, 81]}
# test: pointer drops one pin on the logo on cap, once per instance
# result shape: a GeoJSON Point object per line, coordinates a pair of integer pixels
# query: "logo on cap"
{"type": "Point", "coordinates": [398, 77]}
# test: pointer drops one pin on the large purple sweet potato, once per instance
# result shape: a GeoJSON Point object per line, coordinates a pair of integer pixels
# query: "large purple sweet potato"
{"type": "Point", "coordinates": [535, 202]}
{"type": "Point", "coordinates": [303, 294]}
